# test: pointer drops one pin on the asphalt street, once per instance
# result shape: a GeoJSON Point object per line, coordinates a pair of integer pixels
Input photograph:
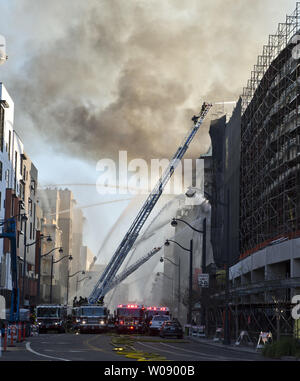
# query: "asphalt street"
{"type": "Point", "coordinates": [106, 347]}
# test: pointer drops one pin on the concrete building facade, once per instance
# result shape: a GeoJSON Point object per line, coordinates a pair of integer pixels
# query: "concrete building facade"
{"type": "Point", "coordinates": [18, 185]}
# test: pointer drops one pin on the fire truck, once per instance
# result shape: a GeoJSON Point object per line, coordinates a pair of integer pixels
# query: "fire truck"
{"type": "Point", "coordinates": [90, 318]}
{"type": "Point", "coordinates": [51, 318]}
{"type": "Point", "coordinates": [130, 318]}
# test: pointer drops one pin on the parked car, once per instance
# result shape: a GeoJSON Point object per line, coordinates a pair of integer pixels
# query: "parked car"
{"type": "Point", "coordinates": [156, 323]}
{"type": "Point", "coordinates": [171, 328]}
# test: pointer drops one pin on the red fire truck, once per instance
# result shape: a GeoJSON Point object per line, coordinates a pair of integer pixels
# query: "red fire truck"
{"type": "Point", "coordinates": [130, 318]}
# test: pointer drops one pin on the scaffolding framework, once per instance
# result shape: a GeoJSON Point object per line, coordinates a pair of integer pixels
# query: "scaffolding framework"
{"type": "Point", "coordinates": [254, 309]}
{"type": "Point", "coordinates": [270, 143]}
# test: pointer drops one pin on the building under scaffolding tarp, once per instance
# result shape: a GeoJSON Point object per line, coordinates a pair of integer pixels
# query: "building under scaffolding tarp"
{"type": "Point", "coordinates": [266, 273]}
{"type": "Point", "coordinates": [270, 141]}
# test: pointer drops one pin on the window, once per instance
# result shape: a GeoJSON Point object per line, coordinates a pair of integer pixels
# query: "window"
{"type": "Point", "coordinates": [30, 206]}
{"type": "Point", "coordinates": [22, 191]}
{"type": "Point", "coordinates": [7, 178]}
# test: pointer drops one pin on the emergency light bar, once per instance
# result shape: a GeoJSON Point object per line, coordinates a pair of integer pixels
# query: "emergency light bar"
{"type": "Point", "coordinates": [129, 306]}
{"type": "Point", "coordinates": [158, 308]}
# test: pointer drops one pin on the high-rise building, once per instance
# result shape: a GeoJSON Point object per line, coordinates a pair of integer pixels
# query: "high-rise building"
{"type": "Point", "coordinates": [76, 265]}
{"type": "Point", "coordinates": [64, 221]}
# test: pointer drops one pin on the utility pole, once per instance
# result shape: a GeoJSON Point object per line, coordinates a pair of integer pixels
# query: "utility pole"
{"type": "Point", "coordinates": [68, 278]}
{"type": "Point", "coordinates": [39, 273]}
{"type": "Point", "coordinates": [190, 250]}
{"type": "Point", "coordinates": [51, 276]}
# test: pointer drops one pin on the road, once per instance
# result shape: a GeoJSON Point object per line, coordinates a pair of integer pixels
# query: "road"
{"type": "Point", "coordinates": [110, 347]}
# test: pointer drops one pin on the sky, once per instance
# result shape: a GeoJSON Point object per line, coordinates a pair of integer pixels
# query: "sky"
{"type": "Point", "coordinates": [90, 78]}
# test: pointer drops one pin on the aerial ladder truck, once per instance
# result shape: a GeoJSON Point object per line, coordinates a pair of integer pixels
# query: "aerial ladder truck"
{"type": "Point", "coordinates": [132, 268]}
{"type": "Point", "coordinates": [107, 277]}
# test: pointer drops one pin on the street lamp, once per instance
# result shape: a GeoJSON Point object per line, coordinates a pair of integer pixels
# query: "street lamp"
{"type": "Point", "coordinates": [70, 276]}
{"type": "Point", "coordinates": [168, 277]}
{"type": "Point", "coordinates": [174, 223]}
{"type": "Point", "coordinates": [190, 250]}
{"type": "Point", "coordinates": [160, 273]}
{"type": "Point", "coordinates": [226, 205]}
{"type": "Point", "coordinates": [49, 239]}
{"type": "Point", "coordinates": [177, 265]}
{"type": "Point", "coordinates": [52, 263]}
{"type": "Point", "coordinates": [78, 281]}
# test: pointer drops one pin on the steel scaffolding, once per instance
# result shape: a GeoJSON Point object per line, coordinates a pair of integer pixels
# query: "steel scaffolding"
{"type": "Point", "coordinates": [272, 313]}
{"type": "Point", "coordinates": [270, 143]}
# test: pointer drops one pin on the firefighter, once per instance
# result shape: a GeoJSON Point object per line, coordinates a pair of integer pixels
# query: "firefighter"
{"type": "Point", "coordinates": [195, 118]}
{"type": "Point", "coordinates": [75, 301]}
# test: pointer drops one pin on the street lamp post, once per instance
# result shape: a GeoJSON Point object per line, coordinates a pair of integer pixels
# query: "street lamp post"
{"type": "Point", "coordinates": [44, 255]}
{"type": "Point", "coordinates": [49, 239]}
{"type": "Point", "coordinates": [226, 204]}
{"type": "Point", "coordinates": [190, 250]}
{"type": "Point", "coordinates": [177, 265]}
{"type": "Point", "coordinates": [203, 232]}
{"type": "Point", "coordinates": [52, 263]}
{"type": "Point", "coordinates": [78, 281]}
{"type": "Point", "coordinates": [171, 279]}
{"type": "Point", "coordinates": [70, 276]}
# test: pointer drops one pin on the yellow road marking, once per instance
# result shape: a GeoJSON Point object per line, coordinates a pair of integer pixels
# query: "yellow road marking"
{"type": "Point", "coordinates": [87, 343]}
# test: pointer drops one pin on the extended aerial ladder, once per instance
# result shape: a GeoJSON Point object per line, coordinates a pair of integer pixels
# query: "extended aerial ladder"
{"type": "Point", "coordinates": [126, 244]}
{"type": "Point", "coordinates": [132, 268]}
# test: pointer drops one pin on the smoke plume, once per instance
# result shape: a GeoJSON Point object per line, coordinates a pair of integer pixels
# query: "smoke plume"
{"type": "Point", "coordinates": [94, 77]}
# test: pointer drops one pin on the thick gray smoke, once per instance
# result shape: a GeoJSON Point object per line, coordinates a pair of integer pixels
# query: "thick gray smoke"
{"type": "Point", "coordinates": [94, 77]}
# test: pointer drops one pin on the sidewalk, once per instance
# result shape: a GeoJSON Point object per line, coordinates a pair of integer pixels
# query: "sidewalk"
{"type": "Point", "coordinates": [251, 349]}
{"type": "Point", "coordinates": [10, 351]}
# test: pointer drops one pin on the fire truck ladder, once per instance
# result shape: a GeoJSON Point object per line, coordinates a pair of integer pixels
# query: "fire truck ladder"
{"type": "Point", "coordinates": [126, 244]}
{"type": "Point", "coordinates": [119, 278]}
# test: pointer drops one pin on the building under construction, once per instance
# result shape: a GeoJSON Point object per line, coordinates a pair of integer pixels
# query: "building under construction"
{"type": "Point", "coordinates": [267, 273]}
